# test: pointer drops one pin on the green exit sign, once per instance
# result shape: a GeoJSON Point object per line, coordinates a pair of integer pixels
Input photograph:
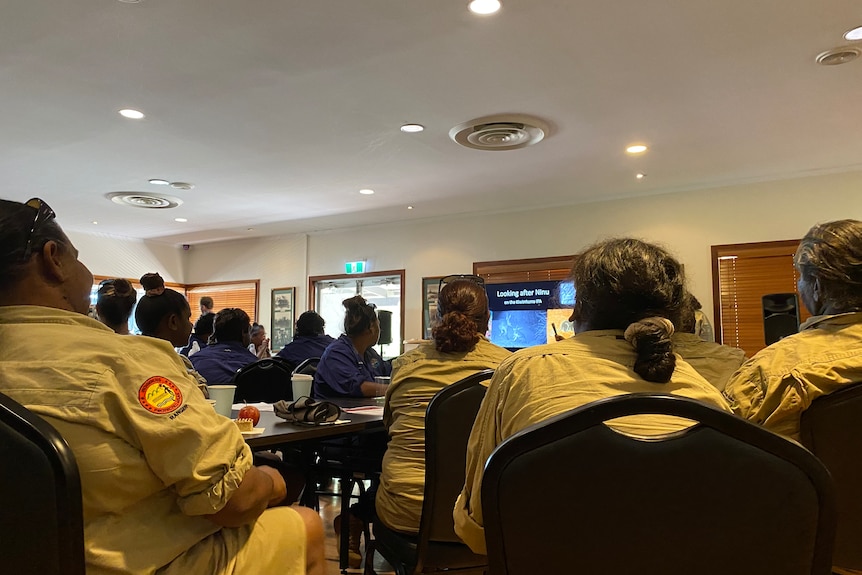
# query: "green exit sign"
{"type": "Point", "coordinates": [354, 267]}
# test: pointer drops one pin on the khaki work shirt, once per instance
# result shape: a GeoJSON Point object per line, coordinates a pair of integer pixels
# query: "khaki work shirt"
{"type": "Point", "coordinates": [714, 361]}
{"type": "Point", "coordinates": [417, 376]}
{"type": "Point", "coordinates": [543, 381]}
{"type": "Point", "coordinates": [775, 386]}
{"type": "Point", "coordinates": [153, 456]}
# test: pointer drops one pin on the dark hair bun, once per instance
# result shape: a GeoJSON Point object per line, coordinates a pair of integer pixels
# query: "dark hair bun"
{"type": "Point", "coordinates": [456, 332]}
{"type": "Point", "coordinates": [651, 339]}
{"type": "Point", "coordinates": [153, 284]}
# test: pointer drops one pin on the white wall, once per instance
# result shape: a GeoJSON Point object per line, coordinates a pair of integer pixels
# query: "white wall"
{"type": "Point", "coordinates": [276, 261]}
{"type": "Point", "coordinates": [686, 223]}
{"type": "Point", "coordinates": [128, 258]}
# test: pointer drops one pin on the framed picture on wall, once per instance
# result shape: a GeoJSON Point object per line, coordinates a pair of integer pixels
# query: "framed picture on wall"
{"type": "Point", "coordinates": [281, 327]}
{"type": "Point", "coordinates": [430, 286]}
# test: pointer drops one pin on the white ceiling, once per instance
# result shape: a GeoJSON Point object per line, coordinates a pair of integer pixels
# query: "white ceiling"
{"type": "Point", "coordinates": [279, 111]}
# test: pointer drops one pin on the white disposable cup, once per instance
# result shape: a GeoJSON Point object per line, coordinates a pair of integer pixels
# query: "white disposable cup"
{"type": "Point", "coordinates": [383, 379]}
{"type": "Point", "coordinates": [301, 385]}
{"type": "Point", "coordinates": [223, 396]}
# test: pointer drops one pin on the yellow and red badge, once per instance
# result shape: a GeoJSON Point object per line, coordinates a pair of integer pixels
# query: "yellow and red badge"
{"type": "Point", "coordinates": [160, 395]}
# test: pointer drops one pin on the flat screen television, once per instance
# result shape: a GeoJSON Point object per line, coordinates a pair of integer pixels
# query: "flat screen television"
{"type": "Point", "coordinates": [525, 314]}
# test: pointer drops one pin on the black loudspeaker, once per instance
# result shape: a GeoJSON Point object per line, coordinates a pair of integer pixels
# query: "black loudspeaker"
{"type": "Point", "coordinates": [385, 318]}
{"type": "Point", "coordinates": [780, 316]}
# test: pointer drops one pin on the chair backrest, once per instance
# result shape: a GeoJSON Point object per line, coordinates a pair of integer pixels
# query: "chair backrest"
{"type": "Point", "coordinates": [41, 518]}
{"type": "Point", "coordinates": [832, 429]}
{"type": "Point", "coordinates": [723, 496]}
{"type": "Point", "coordinates": [266, 380]}
{"type": "Point", "coordinates": [448, 421]}
{"type": "Point", "coordinates": [307, 367]}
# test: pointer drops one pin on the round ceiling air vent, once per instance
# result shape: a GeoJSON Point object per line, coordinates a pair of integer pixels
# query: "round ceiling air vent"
{"type": "Point", "coordinates": [144, 200]}
{"type": "Point", "coordinates": [838, 56]}
{"type": "Point", "coordinates": [501, 132]}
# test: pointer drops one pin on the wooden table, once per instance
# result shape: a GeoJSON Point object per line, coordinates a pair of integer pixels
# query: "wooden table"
{"type": "Point", "coordinates": [280, 432]}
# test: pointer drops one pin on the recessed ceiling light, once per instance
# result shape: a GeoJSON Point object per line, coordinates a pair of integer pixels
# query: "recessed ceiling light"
{"type": "Point", "coordinates": [640, 176]}
{"type": "Point", "coordinates": [412, 128]}
{"type": "Point", "coordinates": [182, 185]}
{"type": "Point", "coordinates": [636, 149]}
{"type": "Point", "coordinates": [132, 114]}
{"type": "Point", "coordinates": [409, 207]}
{"type": "Point", "coordinates": [854, 34]}
{"type": "Point", "coordinates": [180, 220]}
{"type": "Point", "coordinates": [249, 229]}
{"type": "Point", "coordinates": [159, 182]}
{"type": "Point", "coordinates": [484, 6]}
{"type": "Point", "coordinates": [95, 223]}
{"type": "Point", "coordinates": [366, 192]}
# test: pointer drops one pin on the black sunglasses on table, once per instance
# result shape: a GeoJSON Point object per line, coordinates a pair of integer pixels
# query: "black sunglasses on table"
{"type": "Point", "coordinates": [457, 277]}
{"type": "Point", "coordinates": [44, 214]}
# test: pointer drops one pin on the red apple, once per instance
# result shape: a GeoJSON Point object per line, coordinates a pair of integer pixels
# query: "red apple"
{"type": "Point", "coordinates": [249, 412]}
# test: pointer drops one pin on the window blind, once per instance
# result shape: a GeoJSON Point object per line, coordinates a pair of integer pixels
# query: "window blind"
{"type": "Point", "coordinates": [743, 274]}
{"type": "Point", "coordinates": [243, 295]}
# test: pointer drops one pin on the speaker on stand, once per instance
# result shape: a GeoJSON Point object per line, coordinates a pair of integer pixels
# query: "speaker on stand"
{"type": "Point", "coordinates": [385, 318]}
{"type": "Point", "coordinates": [780, 316]}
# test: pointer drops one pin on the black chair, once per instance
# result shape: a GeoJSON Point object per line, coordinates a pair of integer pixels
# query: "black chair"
{"type": "Point", "coordinates": [267, 380]}
{"type": "Point", "coordinates": [436, 548]}
{"type": "Point", "coordinates": [722, 497]}
{"type": "Point", "coordinates": [832, 429]}
{"type": "Point", "coordinates": [41, 518]}
{"type": "Point", "coordinates": [307, 367]}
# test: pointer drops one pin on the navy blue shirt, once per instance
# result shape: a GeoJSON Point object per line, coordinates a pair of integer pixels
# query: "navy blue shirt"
{"type": "Point", "coordinates": [218, 362]}
{"type": "Point", "coordinates": [202, 343]}
{"type": "Point", "coordinates": [304, 347]}
{"type": "Point", "coordinates": [342, 370]}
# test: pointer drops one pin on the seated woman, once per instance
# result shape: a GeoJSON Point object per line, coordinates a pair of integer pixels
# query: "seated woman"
{"type": "Point", "coordinates": [114, 305]}
{"type": "Point", "coordinates": [628, 294]}
{"type": "Point", "coordinates": [165, 314]}
{"type": "Point", "coordinates": [459, 349]}
{"type": "Point", "coordinates": [200, 337]}
{"type": "Point", "coordinates": [714, 361]}
{"type": "Point", "coordinates": [228, 351]}
{"type": "Point", "coordinates": [259, 345]}
{"type": "Point", "coordinates": [775, 386]}
{"type": "Point", "coordinates": [349, 365]}
{"type": "Point", "coordinates": [308, 340]}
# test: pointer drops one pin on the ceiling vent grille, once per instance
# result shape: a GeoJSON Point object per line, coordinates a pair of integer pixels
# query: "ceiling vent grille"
{"type": "Point", "coordinates": [499, 133]}
{"type": "Point", "coordinates": [144, 200]}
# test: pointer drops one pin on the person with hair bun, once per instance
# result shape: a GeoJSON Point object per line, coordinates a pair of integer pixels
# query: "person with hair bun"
{"type": "Point", "coordinates": [165, 314]}
{"type": "Point", "coordinates": [349, 365]}
{"type": "Point", "coordinates": [775, 386]}
{"type": "Point", "coordinates": [116, 300]}
{"type": "Point", "coordinates": [628, 296]}
{"type": "Point", "coordinates": [458, 350]}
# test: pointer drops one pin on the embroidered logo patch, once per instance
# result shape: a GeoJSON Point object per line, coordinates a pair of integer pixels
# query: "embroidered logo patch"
{"type": "Point", "coordinates": [160, 395]}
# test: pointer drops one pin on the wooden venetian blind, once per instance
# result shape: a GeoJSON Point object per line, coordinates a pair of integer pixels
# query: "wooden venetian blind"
{"type": "Point", "coordinates": [537, 269]}
{"type": "Point", "coordinates": [742, 275]}
{"type": "Point", "coordinates": [243, 294]}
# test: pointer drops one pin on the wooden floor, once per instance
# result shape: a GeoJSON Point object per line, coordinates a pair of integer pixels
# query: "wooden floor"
{"type": "Point", "coordinates": [330, 506]}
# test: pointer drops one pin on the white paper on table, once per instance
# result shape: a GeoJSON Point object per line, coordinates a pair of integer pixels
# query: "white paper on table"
{"type": "Point", "coordinates": [375, 410]}
{"type": "Point", "coordinates": [260, 406]}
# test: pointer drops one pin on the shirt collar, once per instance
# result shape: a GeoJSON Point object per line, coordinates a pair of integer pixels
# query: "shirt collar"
{"type": "Point", "coordinates": [833, 319]}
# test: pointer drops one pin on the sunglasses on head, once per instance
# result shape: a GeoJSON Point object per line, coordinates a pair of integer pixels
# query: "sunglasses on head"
{"type": "Point", "coordinates": [44, 214]}
{"type": "Point", "coordinates": [458, 277]}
